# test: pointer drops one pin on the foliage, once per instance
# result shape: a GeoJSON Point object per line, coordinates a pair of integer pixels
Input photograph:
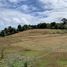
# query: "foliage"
{"type": "Point", "coordinates": [25, 64]}
{"type": "Point", "coordinates": [53, 25]}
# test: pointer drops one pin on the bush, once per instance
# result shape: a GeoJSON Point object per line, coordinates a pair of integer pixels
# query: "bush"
{"type": "Point", "coordinates": [25, 64]}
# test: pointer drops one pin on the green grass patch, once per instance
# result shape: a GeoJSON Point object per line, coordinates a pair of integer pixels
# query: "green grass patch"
{"type": "Point", "coordinates": [32, 53]}
{"type": "Point", "coordinates": [62, 62]}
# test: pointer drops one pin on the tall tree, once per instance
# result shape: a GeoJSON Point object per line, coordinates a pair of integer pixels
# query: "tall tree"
{"type": "Point", "coordinates": [64, 20]}
{"type": "Point", "coordinates": [53, 25]}
{"type": "Point", "coordinates": [19, 28]}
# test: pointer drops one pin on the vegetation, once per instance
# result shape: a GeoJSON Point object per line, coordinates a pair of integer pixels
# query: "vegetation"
{"type": "Point", "coordinates": [25, 64]}
{"type": "Point", "coordinates": [2, 53]}
{"type": "Point", "coordinates": [53, 25]}
{"type": "Point", "coordinates": [41, 46]}
{"type": "Point", "coordinates": [34, 48]}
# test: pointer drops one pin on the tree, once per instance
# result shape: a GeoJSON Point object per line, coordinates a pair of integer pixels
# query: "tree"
{"type": "Point", "coordinates": [64, 20]}
{"type": "Point", "coordinates": [2, 33]}
{"type": "Point", "coordinates": [42, 25]}
{"type": "Point", "coordinates": [19, 28]}
{"type": "Point", "coordinates": [33, 26]}
{"type": "Point", "coordinates": [11, 30]}
{"type": "Point", "coordinates": [53, 25]}
{"type": "Point", "coordinates": [26, 27]}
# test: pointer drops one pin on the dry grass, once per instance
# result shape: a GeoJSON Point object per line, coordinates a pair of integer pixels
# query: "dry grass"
{"type": "Point", "coordinates": [49, 46]}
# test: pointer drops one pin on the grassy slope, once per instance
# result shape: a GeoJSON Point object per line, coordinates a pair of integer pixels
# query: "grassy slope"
{"type": "Point", "coordinates": [41, 47]}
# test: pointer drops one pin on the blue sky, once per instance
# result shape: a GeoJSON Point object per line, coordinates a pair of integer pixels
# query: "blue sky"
{"type": "Point", "coordinates": [14, 12]}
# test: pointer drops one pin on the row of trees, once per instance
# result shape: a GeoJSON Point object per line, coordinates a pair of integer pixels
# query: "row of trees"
{"type": "Point", "coordinates": [10, 30]}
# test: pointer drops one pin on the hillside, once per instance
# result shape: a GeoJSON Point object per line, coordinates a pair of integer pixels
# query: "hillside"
{"type": "Point", "coordinates": [45, 47]}
{"type": "Point", "coordinates": [31, 36]}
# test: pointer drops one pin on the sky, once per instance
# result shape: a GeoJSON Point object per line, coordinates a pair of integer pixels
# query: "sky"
{"type": "Point", "coordinates": [14, 12]}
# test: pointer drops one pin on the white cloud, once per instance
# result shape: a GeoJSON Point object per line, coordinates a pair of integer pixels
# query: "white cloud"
{"type": "Point", "coordinates": [55, 3]}
{"type": "Point", "coordinates": [12, 17]}
{"type": "Point", "coordinates": [58, 10]}
{"type": "Point", "coordinates": [13, 0]}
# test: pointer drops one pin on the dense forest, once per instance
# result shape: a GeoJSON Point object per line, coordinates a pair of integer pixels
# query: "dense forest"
{"type": "Point", "coordinates": [53, 25]}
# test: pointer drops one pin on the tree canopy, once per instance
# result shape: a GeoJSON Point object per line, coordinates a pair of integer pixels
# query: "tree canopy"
{"type": "Point", "coordinates": [53, 25]}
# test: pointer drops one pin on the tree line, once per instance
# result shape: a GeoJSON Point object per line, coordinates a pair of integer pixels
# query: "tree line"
{"type": "Point", "coordinates": [53, 25]}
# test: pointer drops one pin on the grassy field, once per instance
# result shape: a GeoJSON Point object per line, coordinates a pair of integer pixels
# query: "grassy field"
{"type": "Point", "coordinates": [39, 48]}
